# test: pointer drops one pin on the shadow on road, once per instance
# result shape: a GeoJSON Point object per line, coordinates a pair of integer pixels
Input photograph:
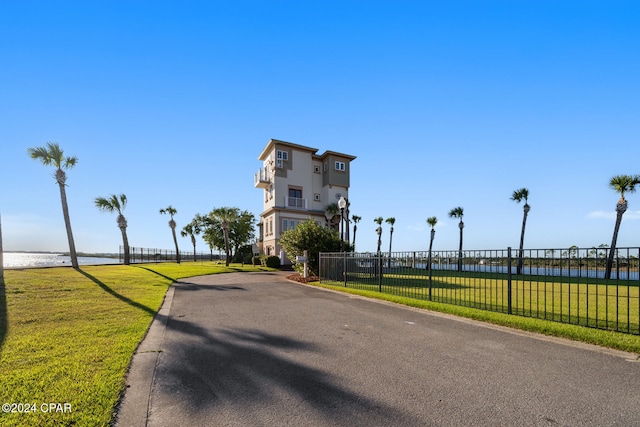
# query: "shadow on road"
{"type": "Point", "coordinates": [241, 371]}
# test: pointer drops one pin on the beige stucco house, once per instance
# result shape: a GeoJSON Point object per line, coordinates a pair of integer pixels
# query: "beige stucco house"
{"type": "Point", "coordinates": [297, 184]}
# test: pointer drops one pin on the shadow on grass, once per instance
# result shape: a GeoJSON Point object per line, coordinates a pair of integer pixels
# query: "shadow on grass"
{"type": "Point", "coordinates": [159, 274]}
{"type": "Point", "coordinates": [121, 297]}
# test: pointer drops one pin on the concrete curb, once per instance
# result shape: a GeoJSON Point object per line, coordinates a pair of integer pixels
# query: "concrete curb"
{"type": "Point", "coordinates": [134, 407]}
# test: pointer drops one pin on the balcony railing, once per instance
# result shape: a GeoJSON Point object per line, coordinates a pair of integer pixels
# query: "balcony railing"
{"type": "Point", "coordinates": [295, 202]}
{"type": "Point", "coordinates": [261, 179]}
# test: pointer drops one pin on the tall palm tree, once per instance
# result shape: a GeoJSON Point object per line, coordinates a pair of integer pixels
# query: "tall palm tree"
{"type": "Point", "coordinates": [356, 219]}
{"type": "Point", "coordinates": [378, 221]}
{"type": "Point", "coordinates": [518, 196]}
{"type": "Point", "coordinates": [52, 154]}
{"type": "Point", "coordinates": [192, 230]}
{"type": "Point", "coordinates": [621, 184]}
{"type": "Point", "coordinates": [226, 216]}
{"type": "Point", "coordinates": [432, 221]}
{"type": "Point", "coordinates": [458, 212]}
{"type": "Point", "coordinates": [390, 221]}
{"type": "Point", "coordinates": [117, 204]}
{"type": "Point", "coordinates": [171, 211]}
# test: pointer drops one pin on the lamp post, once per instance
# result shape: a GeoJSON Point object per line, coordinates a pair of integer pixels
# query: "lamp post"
{"type": "Point", "coordinates": [342, 203]}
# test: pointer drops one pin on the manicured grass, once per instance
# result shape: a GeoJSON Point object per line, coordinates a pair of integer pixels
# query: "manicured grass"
{"type": "Point", "coordinates": [67, 336]}
{"type": "Point", "coordinates": [585, 302]}
{"type": "Point", "coordinates": [611, 339]}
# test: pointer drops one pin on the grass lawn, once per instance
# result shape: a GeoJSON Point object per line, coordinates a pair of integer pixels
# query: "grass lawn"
{"type": "Point", "coordinates": [67, 337]}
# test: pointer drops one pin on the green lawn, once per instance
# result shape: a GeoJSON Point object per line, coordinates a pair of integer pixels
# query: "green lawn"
{"type": "Point", "coordinates": [67, 337]}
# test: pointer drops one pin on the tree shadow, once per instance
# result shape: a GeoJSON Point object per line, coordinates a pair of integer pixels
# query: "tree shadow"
{"type": "Point", "coordinates": [3, 315]}
{"type": "Point", "coordinates": [239, 372]}
{"type": "Point", "coordinates": [189, 286]}
{"type": "Point", "coordinates": [155, 272]}
{"type": "Point", "coordinates": [121, 297]}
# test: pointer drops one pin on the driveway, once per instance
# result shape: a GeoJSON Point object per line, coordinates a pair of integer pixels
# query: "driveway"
{"type": "Point", "coordinates": [253, 349]}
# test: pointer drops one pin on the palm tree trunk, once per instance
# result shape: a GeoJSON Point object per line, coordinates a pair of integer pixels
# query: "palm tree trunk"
{"type": "Point", "coordinates": [433, 234]}
{"type": "Point", "coordinates": [1, 273]}
{"type": "Point", "coordinates": [226, 246]}
{"type": "Point", "coordinates": [390, 239]}
{"type": "Point", "coordinates": [67, 223]}
{"type": "Point", "coordinates": [355, 227]}
{"type": "Point", "coordinates": [175, 242]}
{"type": "Point", "coordinates": [125, 243]}
{"type": "Point", "coordinates": [193, 242]}
{"type": "Point", "coordinates": [614, 240]}
{"type": "Point", "coordinates": [461, 225]}
{"type": "Point", "coordinates": [521, 254]}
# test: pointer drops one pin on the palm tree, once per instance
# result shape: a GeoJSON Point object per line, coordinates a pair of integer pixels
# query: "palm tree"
{"type": "Point", "coordinates": [171, 211]}
{"type": "Point", "coordinates": [432, 221]}
{"type": "Point", "coordinates": [52, 154]}
{"type": "Point", "coordinates": [226, 216]}
{"type": "Point", "coordinates": [117, 204]}
{"type": "Point", "coordinates": [390, 221]}
{"type": "Point", "coordinates": [458, 212]}
{"type": "Point", "coordinates": [356, 219]}
{"type": "Point", "coordinates": [331, 212]}
{"type": "Point", "coordinates": [192, 230]}
{"type": "Point", "coordinates": [518, 196]}
{"type": "Point", "coordinates": [378, 221]}
{"type": "Point", "coordinates": [621, 184]}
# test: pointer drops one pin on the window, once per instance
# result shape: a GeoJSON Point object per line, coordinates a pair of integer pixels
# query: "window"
{"type": "Point", "coordinates": [316, 169]}
{"type": "Point", "coordinates": [295, 192]}
{"type": "Point", "coordinates": [340, 166]}
{"type": "Point", "coordinates": [282, 155]}
{"type": "Point", "coordinates": [326, 166]}
{"type": "Point", "coordinates": [290, 224]}
{"type": "Point", "coordinates": [316, 197]}
{"type": "Point", "coordinates": [279, 163]}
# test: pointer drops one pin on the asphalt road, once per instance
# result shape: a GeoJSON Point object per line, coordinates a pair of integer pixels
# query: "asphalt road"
{"type": "Point", "coordinates": [253, 349]}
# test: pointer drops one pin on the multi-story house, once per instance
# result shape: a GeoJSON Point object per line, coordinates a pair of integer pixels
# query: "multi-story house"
{"type": "Point", "coordinates": [297, 184]}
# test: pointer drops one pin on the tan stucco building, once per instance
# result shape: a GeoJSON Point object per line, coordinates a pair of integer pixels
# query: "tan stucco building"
{"type": "Point", "coordinates": [297, 184]}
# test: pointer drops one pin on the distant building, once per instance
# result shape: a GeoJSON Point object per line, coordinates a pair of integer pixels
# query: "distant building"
{"type": "Point", "coordinates": [297, 184]}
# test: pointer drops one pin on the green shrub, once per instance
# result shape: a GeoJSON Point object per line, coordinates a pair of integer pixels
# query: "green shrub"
{"type": "Point", "coordinates": [313, 238]}
{"type": "Point", "coordinates": [272, 261]}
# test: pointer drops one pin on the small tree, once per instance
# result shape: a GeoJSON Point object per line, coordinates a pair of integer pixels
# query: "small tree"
{"type": "Point", "coordinates": [458, 212]}
{"type": "Point", "coordinates": [313, 238]}
{"type": "Point", "coordinates": [192, 230]}
{"type": "Point", "coordinates": [432, 221]}
{"type": "Point", "coordinates": [50, 155]}
{"type": "Point", "coordinates": [356, 219]}
{"type": "Point", "coordinates": [518, 196]}
{"type": "Point", "coordinates": [391, 221]}
{"type": "Point", "coordinates": [117, 204]}
{"type": "Point", "coordinates": [171, 211]}
{"type": "Point", "coordinates": [621, 184]}
{"type": "Point", "coordinates": [378, 221]}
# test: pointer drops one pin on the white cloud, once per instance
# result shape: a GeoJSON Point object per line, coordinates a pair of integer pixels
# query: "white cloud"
{"type": "Point", "coordinates": [612, 215]}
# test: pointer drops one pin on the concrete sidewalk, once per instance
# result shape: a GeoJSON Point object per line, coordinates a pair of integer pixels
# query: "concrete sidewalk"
{"type": "Point", "coordinates": [256, 349]}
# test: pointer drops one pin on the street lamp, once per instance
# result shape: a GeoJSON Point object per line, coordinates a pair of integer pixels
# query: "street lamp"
{"type": "Point", "coordinates": [342, 203]}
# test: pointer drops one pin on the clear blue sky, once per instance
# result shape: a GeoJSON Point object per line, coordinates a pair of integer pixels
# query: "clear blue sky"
{"type": "Point", "coordinates": [445, 104]}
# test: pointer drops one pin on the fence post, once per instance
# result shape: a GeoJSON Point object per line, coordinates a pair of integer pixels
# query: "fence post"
{"type": "Point", "coordinates": [509, 280]}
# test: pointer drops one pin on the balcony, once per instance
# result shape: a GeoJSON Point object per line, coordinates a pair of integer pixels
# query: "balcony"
{"type": "Point", "coordinates": [261, 179]}
{"type": "Point", "coordinates": [295, 202]}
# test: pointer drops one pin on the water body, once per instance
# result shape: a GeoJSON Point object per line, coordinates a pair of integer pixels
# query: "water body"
{"type": "Point", "coordinates": [34, 259]}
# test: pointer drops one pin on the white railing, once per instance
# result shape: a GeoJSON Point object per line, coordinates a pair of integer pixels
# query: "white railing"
{"type": "Point", "coordinates": [295, 202]}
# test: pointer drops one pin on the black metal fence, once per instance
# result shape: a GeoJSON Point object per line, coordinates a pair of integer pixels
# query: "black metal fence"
{"type": "Point", "coordinates": [563, 285]}
{"type": "Point", "coordinates": [142, 255]}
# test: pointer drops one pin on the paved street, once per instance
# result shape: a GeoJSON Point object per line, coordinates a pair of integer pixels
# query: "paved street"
{"type": "Point", "coordinates": [253, 349]}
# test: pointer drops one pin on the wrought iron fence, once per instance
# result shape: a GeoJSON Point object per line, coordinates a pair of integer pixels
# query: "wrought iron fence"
{"type": "Point", "coordinates": [143, 255]}
{"type": "Point", "coordinates": [563, 285]}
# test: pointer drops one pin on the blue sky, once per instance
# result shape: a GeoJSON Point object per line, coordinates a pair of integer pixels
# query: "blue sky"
{"type": "Point", "coordinates": [444, 104]}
